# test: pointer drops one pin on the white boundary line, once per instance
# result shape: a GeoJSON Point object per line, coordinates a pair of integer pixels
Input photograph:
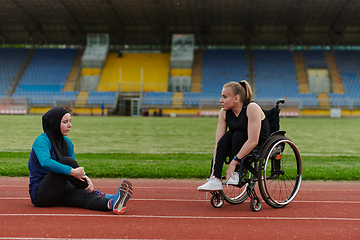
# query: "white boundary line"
{"type": "Point", "coordinates": [194, 188]}
{"type": "Point", "coordinates": [202, 200]}
{"type": "Point", "coordinates": [178, 217]}
{"type": "Point", "coordinates": [29, 238]}
{"type": "Point", "coordinates": [206, 152]}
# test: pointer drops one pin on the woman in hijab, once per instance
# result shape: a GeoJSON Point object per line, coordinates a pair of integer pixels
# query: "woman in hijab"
{"type": "Point", "coordinates": [55, 176]}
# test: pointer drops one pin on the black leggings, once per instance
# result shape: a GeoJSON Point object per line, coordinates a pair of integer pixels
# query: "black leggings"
{"type": "Point", "coordinates": [230, 142]}
{"type": "Point", "coordinates": [55, 189]}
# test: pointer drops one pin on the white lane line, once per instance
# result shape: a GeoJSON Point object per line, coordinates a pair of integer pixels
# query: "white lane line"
{"type": "Point", "coordinates": [132, 199]}
{"type": "Point", "coordinates": [29, 238]}
{"type": "Point", "coordinates": [179, 217]}
{"type": "Point", "coordinates": [204, 200]}
{"type": "Point", "coordinates": [195, 188]}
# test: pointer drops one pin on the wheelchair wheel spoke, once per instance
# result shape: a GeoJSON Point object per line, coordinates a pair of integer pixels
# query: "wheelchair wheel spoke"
{"type": "Point", "coordinates": [281, 172]}
{"type": "Point", "coordinates": [235, 194]}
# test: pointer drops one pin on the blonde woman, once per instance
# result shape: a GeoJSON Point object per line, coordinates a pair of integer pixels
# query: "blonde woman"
{"type": "Point", "coordinates": [242, 125]}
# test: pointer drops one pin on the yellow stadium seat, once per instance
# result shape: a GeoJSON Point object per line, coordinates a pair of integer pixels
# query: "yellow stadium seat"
{"type": "Point", "coordinates": [90, 71]}
{"type": "Point", "coordinates": [125, 71]}
{"type": "Point", "coordinates": [180, 72]}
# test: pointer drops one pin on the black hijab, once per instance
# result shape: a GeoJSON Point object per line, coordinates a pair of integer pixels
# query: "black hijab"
{"type": "Point", "coordinates": [51, 124]}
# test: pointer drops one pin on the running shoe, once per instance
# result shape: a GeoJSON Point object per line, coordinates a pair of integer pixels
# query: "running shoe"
{"type": "Point", "coordinates": [101, 194]}
{"type": "Point", "coordinates": [121, 197]}
{"type": "Point", "coordinates": [212, 185]}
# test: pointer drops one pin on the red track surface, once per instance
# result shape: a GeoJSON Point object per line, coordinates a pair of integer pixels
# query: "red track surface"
{"type": "Point", "coordinates": [174, 209]}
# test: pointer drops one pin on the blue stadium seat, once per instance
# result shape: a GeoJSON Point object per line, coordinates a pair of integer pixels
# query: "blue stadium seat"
{"type": "Point", "coordinates": [46, 76]}
{"type": "Point", "coordinates": [157, 98]}
{"type": "Point", "coordinates": [192, 98]}
{"type": "Point", "coordinates": [348, 63]}
{"type": "Point", "coordinates": [315, 59]}
{"type": "Point", "coordinates": [10, 62]}
{"type": "Point", "coordinates": [276, 77]}
{"type": "Point", "coordinates": [107, 98]}
{"type": "Point", "coordinates": [220, 67]}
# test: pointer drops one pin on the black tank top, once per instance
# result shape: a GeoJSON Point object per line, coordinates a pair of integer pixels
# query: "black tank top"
{"type": "Point", "coordinates": [240, 123]}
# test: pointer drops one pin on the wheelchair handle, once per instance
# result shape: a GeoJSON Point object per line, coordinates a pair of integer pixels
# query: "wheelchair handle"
{"type": "Point", "coordinates": [282, 101]}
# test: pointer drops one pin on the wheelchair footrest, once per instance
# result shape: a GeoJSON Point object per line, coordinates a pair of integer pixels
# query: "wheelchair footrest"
{"type": "Point", "coordinates": [251, 191]}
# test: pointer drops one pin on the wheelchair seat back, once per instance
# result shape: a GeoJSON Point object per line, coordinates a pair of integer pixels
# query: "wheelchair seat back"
{"type": "Point", "coordinates": [273, 116]}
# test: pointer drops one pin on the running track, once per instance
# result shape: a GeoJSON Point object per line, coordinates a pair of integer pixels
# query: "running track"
{"type": "Point", "coordinates": [174, 209]}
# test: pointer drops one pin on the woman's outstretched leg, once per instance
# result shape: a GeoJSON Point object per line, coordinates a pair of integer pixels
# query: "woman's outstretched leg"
{"type": "Point", "coordinates": [101, 194]}
{"type": "Point", "coordinates": [78, 197]}
{"type": "Point", "coordinates": [80, 184]}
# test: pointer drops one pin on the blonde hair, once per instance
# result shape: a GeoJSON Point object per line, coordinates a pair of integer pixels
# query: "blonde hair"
{"type": "Point", "coordinates": [242, 88]}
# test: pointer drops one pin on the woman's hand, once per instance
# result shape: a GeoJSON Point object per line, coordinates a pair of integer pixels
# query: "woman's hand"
{"type": "Point", "coordinates": [230, 170]}
{"type": "Point", "coordinates": [78, 173]}
{"type": "Point", "coordinates": [90, 186]}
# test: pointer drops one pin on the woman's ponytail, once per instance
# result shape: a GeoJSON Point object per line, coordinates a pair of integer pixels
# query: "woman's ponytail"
{"type": "Point", "coordinates": [247, 96]}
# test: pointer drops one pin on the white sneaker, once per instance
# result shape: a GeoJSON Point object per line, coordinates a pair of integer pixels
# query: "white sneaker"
{"type": "Point", "coordinates": [235, 181]}
{"type": "Point", "coordinates": [212, 185]}
{"type": "Point", "coordinates": [208, 179]}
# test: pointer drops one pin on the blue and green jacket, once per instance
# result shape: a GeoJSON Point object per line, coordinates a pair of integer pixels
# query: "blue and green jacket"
{"type": "Point", "coordinates": [43, 159]}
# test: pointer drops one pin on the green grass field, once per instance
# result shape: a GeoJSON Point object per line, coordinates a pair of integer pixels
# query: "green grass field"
{"type": "Point", "coordinates": [176, 147]}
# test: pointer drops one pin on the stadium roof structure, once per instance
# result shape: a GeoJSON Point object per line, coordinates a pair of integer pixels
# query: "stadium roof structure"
{"type": "Point", "coordinates": [214, 22]}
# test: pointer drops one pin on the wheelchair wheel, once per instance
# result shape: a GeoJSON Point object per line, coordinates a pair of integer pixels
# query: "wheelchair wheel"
{"type": "Point", "coordinates": [255, 204]}
{"type": "Point", "coordinates": [217, 200]}
{"type": "Point", "coordinates": [234, 194]}
{"type": "Point", "coordinates": [280, 171]}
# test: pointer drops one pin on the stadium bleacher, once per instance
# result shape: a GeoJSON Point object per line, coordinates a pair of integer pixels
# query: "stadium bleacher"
{"type": "Point", "coordinates": [219, 67]}
{"type": "Point", "coordinates": [155, 72]}
{"type": "Point", "coordinates": [192, 98]}
{"type": "Point", "coordinates": [315, 59]}
{"type": "Point", "coordinates": [274, 71]}
{"type": "Point", "coordinates": [276, 77]}
{"type": "Point", "coordinates": [10, 62]}
{"type": "Point", "coordinates": [38, 97]}
{"type": "Point", "coordinates": [348, 63]}
{"type": "Point", "coordinates": [108, 98]}
{"type": "Point", "coordinates": [46, 75]}
{"type": "Point", "coordinates": [157, 98]}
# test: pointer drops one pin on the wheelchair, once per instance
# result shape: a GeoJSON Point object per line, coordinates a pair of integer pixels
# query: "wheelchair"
{"type": "Point", "coordinates": [276, 166]}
